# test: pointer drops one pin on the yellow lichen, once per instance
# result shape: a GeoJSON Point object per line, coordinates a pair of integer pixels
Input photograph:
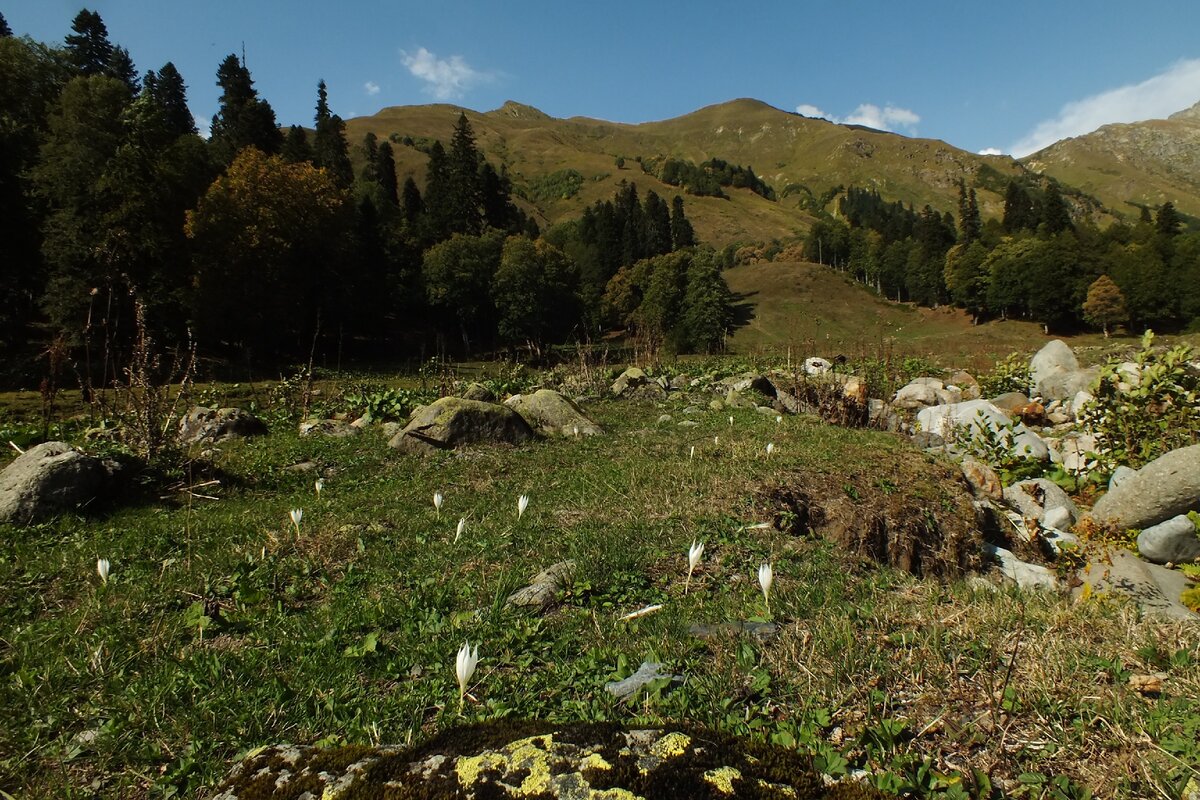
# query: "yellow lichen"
{"type": "Point", "coordinates": [722, 778]}
{"type": "Point", "coordinates": [778, 787]}
{"type": "Point", "coordinates": [532, 754]}
{"type": "Point", "coordinates": [468, 767]}
{"type": "Point", "coordinates": [673, 744]}
{"type": "Point", "coordinates": [612, 794]}
{"type": "Point", "coordinates": [594, 761]}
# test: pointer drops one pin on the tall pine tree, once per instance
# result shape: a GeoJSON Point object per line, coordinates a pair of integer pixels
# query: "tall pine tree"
{"type": "Point", "coordinates": [88, 49]}
{"type": "Point", "coordinates": [244, 119]}
{"type": "Point", "coordinates": [329, 145]}
{"type": "Point", "coordinates": [466, 191]}
{"type": "Point", "coordinates": [170, 93]}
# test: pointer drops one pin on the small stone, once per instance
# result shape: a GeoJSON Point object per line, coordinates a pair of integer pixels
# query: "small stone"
{"type": "Point", "coordinates": [665, 418]}
{"type": "Point", "coordinates": [1150, 685]}
{"type": "Point", "coordinates": [1175, 541]}
{"type": "Point", "coordinates": [632, 686]}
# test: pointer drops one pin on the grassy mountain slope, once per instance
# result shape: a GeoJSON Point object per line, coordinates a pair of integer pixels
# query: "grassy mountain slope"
{"type": "Point", "coordinates": [1132, 165]}
{"type": "Point", "coordinates": [796, 155]}
{"type": "Point", "coordinates": [814, 309]}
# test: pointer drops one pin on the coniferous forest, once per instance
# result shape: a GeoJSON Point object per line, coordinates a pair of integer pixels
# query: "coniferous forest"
{"type": "Point", "coordinates": [263, 246]}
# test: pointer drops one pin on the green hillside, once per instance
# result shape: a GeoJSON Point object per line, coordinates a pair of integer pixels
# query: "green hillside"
{"type": "Point", "coordinates": [1129, 166]}
{"type": "Point", "coordinates": [800, 158]}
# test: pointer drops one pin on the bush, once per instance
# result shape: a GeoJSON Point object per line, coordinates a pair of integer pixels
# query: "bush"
{"type": "Point", "coordinates": [1136, 419]}
{"type": "Point", "coordinates": [1010, 375]}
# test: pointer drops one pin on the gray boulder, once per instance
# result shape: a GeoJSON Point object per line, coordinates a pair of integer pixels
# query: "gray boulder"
{"type": "Point", "coordinates": [332, 428]}
{"type": "Point", "coordinates": [477, 391]}
{"type": "Point", "coordinates": [204, 425]}
{"type": "Point", "coordinates": [1035, 497]}
{"type": "Point", "coordinates": [977, 417]}
{"type": "Point", "coordinates": [631, 378]}
{"type": "Point", "coordinates": [1174, 541]}
{"type": "Point", "coordinates": [1010, 402]}
{"type": "Point", "coordinates": [916, 395]}
{"type": "Point", "coordinates": [551, 414]}
{"type": "Point", "coordinates": [1055, 373]}
{"type": "Point", "coordinates": [48, 479]}
{"type": "Point", "coordinates": [1155, 589]}
{"type": "Point", "coordinates": [1166, 487]}
{"type": "Point", "coordinates": [544, 587]}
{"type": "Point", "coordinates": [1023, 574]}
{"type": "Point", "coordinates": [454, 422]}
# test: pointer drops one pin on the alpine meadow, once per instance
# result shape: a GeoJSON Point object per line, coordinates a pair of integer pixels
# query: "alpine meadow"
{"type": "Point", "coordinates": [443, 453]}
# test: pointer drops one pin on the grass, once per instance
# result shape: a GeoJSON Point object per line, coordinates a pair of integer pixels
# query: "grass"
{"type": "Point", "coordinates": [221, 629]}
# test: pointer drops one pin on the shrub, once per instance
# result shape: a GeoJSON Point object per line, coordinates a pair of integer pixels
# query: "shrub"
{"type": "Point", "coordinates": [1137, 418]}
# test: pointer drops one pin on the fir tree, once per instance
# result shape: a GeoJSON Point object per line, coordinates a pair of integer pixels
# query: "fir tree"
{"type": "Point", "coordinates": [1056, 216]}
{"type": "Point", "coordinates": [121, 67]}
{"type": "Point", "coordinates": [411, 203]}
{"type": "Point", "coordinates": [466, 192]}
{"type": "Point", "coordinates": [1168, 221]}
{"type": "Point", "coordinates": [1019, 211]}
{"type": "Point", "coordinates": [244, 119]}
{"type": "Point", "coordinates": [970, 226]}
{"type": "Point", "coordinates": [329, 143]}
{"type": "Point", "coordinates": [88, 49]}
{"type": "Point", "coordinates": [682, 233]}
{"type": "Point", "coordinates": [5, 31]}
{"type": "Point", "coordinates": [170, 93]}
{"type": "Point", "coordinates": [296, 149]}
{"type": "Point", "coordinates": [437, 202]}
{"type": "Point", "coordinates": [385, 173]}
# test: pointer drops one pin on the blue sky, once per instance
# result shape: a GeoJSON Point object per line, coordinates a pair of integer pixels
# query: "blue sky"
{"type": "Point", "coordinates": [1011, 76]}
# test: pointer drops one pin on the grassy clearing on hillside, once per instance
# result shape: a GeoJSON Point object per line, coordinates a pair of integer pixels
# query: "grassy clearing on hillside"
{"type": "Point", "coordinates": [222, 628]}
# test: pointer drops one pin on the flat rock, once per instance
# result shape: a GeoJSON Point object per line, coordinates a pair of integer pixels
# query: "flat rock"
{"type": "Point", "coordinates": [454, 422]}
{"type": "Point", "coordinates": [1166, 487]}
{"type": "Point", "coordinates": [633, 685]}
{"type": "Point", "coordinates": [755, 630]}
{"type": "Point", "coordinates": [214, 425]}
{"type": "Point", "coordinates": [509, 759]}
{"type": "Point", "coordinates": [1174, 541]}
{"type": "Point", "coordinates": [544, 587]}
{"type": "Point", "coordinates": [1024, 574]}
{"type": "Point", "coordinates": [331, 428]}
{"type": "Point", "coordinates": [1034, 497]}
{"type": "Point", "coordinates": [1155, 589]}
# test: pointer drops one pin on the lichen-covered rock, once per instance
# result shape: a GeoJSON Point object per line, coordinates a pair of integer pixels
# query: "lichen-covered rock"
{"type": "Point", "coordinates": [454, 422]}
{"type": "Point", "coordinates": [49, 479]}
{"type": "Point", "coordinates": [551, 414]}
{"type": "Point", "coordinates": [631, 378]}
{"type": "Point", "coordinates": [477, 391]}
{"type": "Point", "coordinates": [602, 761]}
{"type": "Point", "coordinates": [330, 428]}
{"type": "Point", "coordinates": [544, 587]}
{"type": "Point", "coordinates": [204, 425]}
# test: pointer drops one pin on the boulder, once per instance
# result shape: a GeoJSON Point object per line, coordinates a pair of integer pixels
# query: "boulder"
{"type": "Point", "coordinates": [1023, 574]}
{"type": "Point", "coordinates": [972, 417]}
{"type": "Point", "coordinates": [1055, 373]}
{"type": "Point", "coordinates": [915, 395]}
{"type": "Point", "coordinates": [817, 366]}
{"type": "Point", "coordinates": [1166, 487]}
{"type": "Point", "coordinates": [477, 391]}
{"type": "Point", "coordinates": [631, 378]}
{"type": "Point", "coordinates": [1034, 497]}
{"type": "Point", "coordinates": [1155, 589]}
{"type": "Point", "coordinates": [1175, 541]}
{"type": "Point", "coordinates": [966, 383]}
{"type": "Point", "coordinates": [214, 425]}
{"type": "Point", "coordinates": [551, 414]}
{"type": "Point", "coordinates": [982, 479]}
{"type": "Point", "coordinates": [49, 479]}
{"type": "Point", "coordinates": [454, 422]}
{"type": "Point", "coordinates": [1009, 402]}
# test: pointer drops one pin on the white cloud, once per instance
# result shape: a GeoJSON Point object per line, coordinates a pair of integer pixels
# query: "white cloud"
{"type": "Point", "coordinates": [1172, 90]}
{"type": "Point", "coordinates": [991, 151]}
{"type": "Point", "coordinates": [445, 78]}
{"type": "Point", "coordinates": [203, 126]}
{"type": "Point", "coordinates": [371, 87]}
{"type": "Point", "coordinates": [888, 118]}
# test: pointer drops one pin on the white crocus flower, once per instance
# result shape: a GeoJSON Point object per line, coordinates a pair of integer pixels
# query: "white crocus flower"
{"type": "Point", "coordinates": [766, 576]}
{"type": "Point", "coordinates": [296, 514]}
{"type": "Point", "coordinates": [770, 448]}
{"type": "Point", "coordinates": [522, 504]}
{"type": "Point", "coordinates": [437, 502]}
{"type": "Point", "coordinates": [692, 452]}
{"type": "Point", "coordinates": [694, 554]}
{"type": "Point", "coordinates": [319, 484]}
{"type": "Point", "coordinates": [462, 526]}
{"type": "Point", "coordinates": [102, 569]}
{"type": "Point", "coordinates": [464, 668]}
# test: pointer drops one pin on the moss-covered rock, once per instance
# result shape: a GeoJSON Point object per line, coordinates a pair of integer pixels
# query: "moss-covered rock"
{"type": "Point", "coordinates": [551, 414]}
{"type": "Point", "coordinates": [455, 422]}
{"type": "Point", "coordinates": [533, 760]}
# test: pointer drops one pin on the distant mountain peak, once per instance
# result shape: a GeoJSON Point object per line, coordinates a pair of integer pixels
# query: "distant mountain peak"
{"type": "Point", "coordinates": [512, 108]}
{"type": "Point", "coordinates": [1188, 114]}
